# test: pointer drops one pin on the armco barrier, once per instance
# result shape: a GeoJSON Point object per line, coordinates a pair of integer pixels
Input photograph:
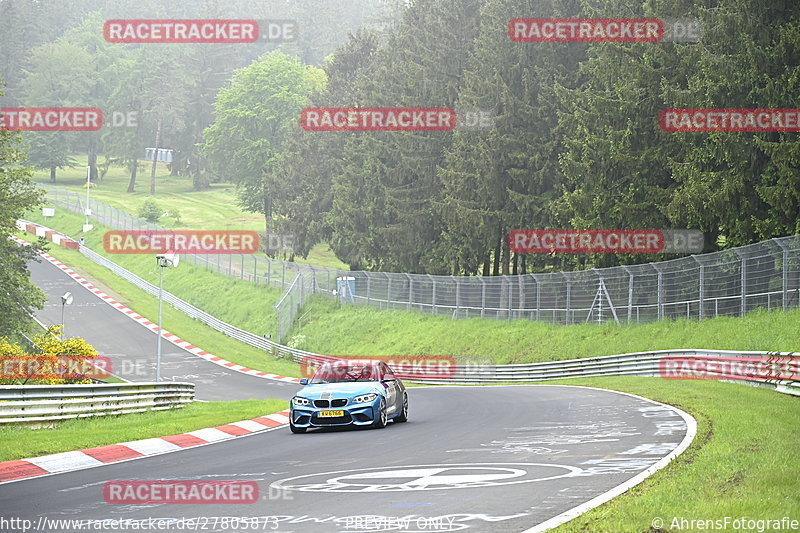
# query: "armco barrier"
{"type": "Point", "coordinates": [633, 364]}
{"type": "Point", "coordinates": [42, 404]}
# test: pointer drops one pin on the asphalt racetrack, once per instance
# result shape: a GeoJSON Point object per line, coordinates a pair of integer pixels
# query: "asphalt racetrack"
{"type": "Point", "coordinates": [474, 459]}
{"type": "Point", "coordinates": [469, 459]}
{"type": "Point", "coordinates": [132, 347]}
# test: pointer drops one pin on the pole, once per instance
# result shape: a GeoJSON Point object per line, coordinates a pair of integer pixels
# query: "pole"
{"type": "Point", "coordinates": [88, 186]}
{"type": "Point", "coordinates": [63, 303]}
{"type": "Point", "coordinates": [158, 352]}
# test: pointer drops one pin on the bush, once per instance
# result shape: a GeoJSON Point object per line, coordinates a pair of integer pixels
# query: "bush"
{"type": "Point", "coordinates": [149, 210]}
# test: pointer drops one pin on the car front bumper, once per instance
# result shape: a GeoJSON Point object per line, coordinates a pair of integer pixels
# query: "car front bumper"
{"type": "Point", "coordinates": [357, 414]}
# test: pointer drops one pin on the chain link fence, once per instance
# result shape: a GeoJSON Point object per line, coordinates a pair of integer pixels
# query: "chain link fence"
{"type": "Point", "coordinates": [726, 283]}
{"type": "Point", "coordinates": [250, 267]}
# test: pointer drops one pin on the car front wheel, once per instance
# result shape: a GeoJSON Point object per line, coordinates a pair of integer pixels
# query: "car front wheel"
{"type": "Point", "coordinates": [382, 418]}
{"type": "Point", "coordinates": [296, 429]}
{"type": "Point", "coordinates": [403, 416]}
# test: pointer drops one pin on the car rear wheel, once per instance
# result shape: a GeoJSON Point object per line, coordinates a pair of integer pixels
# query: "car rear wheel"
{"type": "Point", "coordinates": [403, 416]}
{"type": "Point", "coordinates": [382, 418]}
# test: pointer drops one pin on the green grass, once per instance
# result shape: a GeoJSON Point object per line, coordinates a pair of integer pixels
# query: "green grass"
{"type": "Point", "coordinates": [173, 320]}
{"type": "Point", "coordinates": [742, 461]}
{"type": "Point", "coordinates": [360, 330]}
{"type": "Point", "coordinates": [18, 442]}
{"type": "Point", "coordinates": [243, 303]}
{"type": "Point", "coordinates": [214, 208]}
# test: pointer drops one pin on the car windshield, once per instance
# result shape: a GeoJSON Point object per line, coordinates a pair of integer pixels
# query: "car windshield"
{"type": "Point", "coordinates": [344, 371]}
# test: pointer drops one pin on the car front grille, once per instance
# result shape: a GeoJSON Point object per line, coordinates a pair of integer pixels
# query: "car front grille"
{"type": "Point", "coordinates": [339, 402]}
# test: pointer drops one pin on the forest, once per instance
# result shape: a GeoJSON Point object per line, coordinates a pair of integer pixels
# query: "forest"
{"type": "Point", "coordinates": [574, 139]}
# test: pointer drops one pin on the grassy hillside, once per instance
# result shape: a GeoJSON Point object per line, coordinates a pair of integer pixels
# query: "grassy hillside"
{"type": "Point", "coordinates": [357, 330]}
{"type": "Point", "coordinates": [214, 208]}
{"type": "Point", "coordinates": [360, 330]}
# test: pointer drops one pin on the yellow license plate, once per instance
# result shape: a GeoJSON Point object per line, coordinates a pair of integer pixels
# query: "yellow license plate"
{"type": "Point", "coordinates": [325, 414]}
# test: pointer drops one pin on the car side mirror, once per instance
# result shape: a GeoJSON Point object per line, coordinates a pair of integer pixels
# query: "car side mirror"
{"type": "Point", "coordinates": [304, 381]}
{"type": "Point", "coordinates": [389, 377]}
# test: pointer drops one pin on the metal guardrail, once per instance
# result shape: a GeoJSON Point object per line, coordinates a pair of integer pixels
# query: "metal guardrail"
{"type": "Point", "coordinates": [43, 404]}
{"type": "Point", "coordinates": [634, 364]}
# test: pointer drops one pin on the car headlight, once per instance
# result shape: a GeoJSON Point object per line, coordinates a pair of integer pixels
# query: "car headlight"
{"type": "Point", "coordinates": [299, 402]}
{"type": "Point", "coordinates": [365, 398]}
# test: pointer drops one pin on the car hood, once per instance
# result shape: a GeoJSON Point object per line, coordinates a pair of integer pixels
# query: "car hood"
{"type": "Point", "coordinates": [340, 390]}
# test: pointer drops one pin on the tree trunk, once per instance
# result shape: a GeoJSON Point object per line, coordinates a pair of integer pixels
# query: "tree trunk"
{"type": "Point", "coordinates": [155, 158]}
{"type": "Point", "coordinates": [52, 174]}
{"type": "Point", "coordinates": [497, 251]}
{"type": "Point", "coordinates": [267, 217]}
{"type": "Point", "coordinates": [134, 167]}
{"type": "Point", "coordinates": [486, 265]}
{"type": "Point", "coordinates": [93, 160]}
{"type": "Point", "coordinates": [506, 255]}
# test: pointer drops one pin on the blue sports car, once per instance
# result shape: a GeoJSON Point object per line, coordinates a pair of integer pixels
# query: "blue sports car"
{"type": "Point", "coordinates": [349, 392]}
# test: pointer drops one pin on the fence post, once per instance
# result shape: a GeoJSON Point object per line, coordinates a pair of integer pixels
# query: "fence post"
{"type": "Point", "coordinates": [388, 289]}
{"type": "Point", "coordinates": [483, 296]}
{"type": "Point", "coordinates": [410, 291]}
{"type": "Point", "coordinates": [507, 285]}
{"type": "Point", "coordinates": [569, 296]}
{"type": "Point", "coordinates": [659, 292]}
{"type": "Point", "coordinates": [701, 288]}
{"type": "Point", "coordinates": [743, 271]}
{"type": "Point", "coordinates": [630, 291]}
{"type": "Point", "coordinates": [433, 297]}
{"type": "Point", "coordinates": [538, 295]}
{"type": "Point", "coordinates": [458, 295]}
{"type": "Point", "coordinates": [784, 274]}
{"type": "Point", "coordinates": [368, 285]}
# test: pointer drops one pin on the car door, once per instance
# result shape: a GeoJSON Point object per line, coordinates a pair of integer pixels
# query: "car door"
{"type": "Point", "coordinates": [392, 400]}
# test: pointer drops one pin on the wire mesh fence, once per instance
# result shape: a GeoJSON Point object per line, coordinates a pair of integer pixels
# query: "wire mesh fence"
{"type": "Point", "coordinates": [250, 267]}
{"type": "Point", "coordinates": [727, 283]}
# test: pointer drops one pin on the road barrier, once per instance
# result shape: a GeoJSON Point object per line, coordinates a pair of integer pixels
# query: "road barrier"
{"type": "Point", "coordinates": [633, 364]}
{"type": "Point", "coordinates": [46, 404]}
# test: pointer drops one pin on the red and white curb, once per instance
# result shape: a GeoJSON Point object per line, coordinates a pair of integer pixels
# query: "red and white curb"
{"type": "Point", "coordinates": [57, 463]}
{"type": "Point", "coordinates": [174, 339]}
